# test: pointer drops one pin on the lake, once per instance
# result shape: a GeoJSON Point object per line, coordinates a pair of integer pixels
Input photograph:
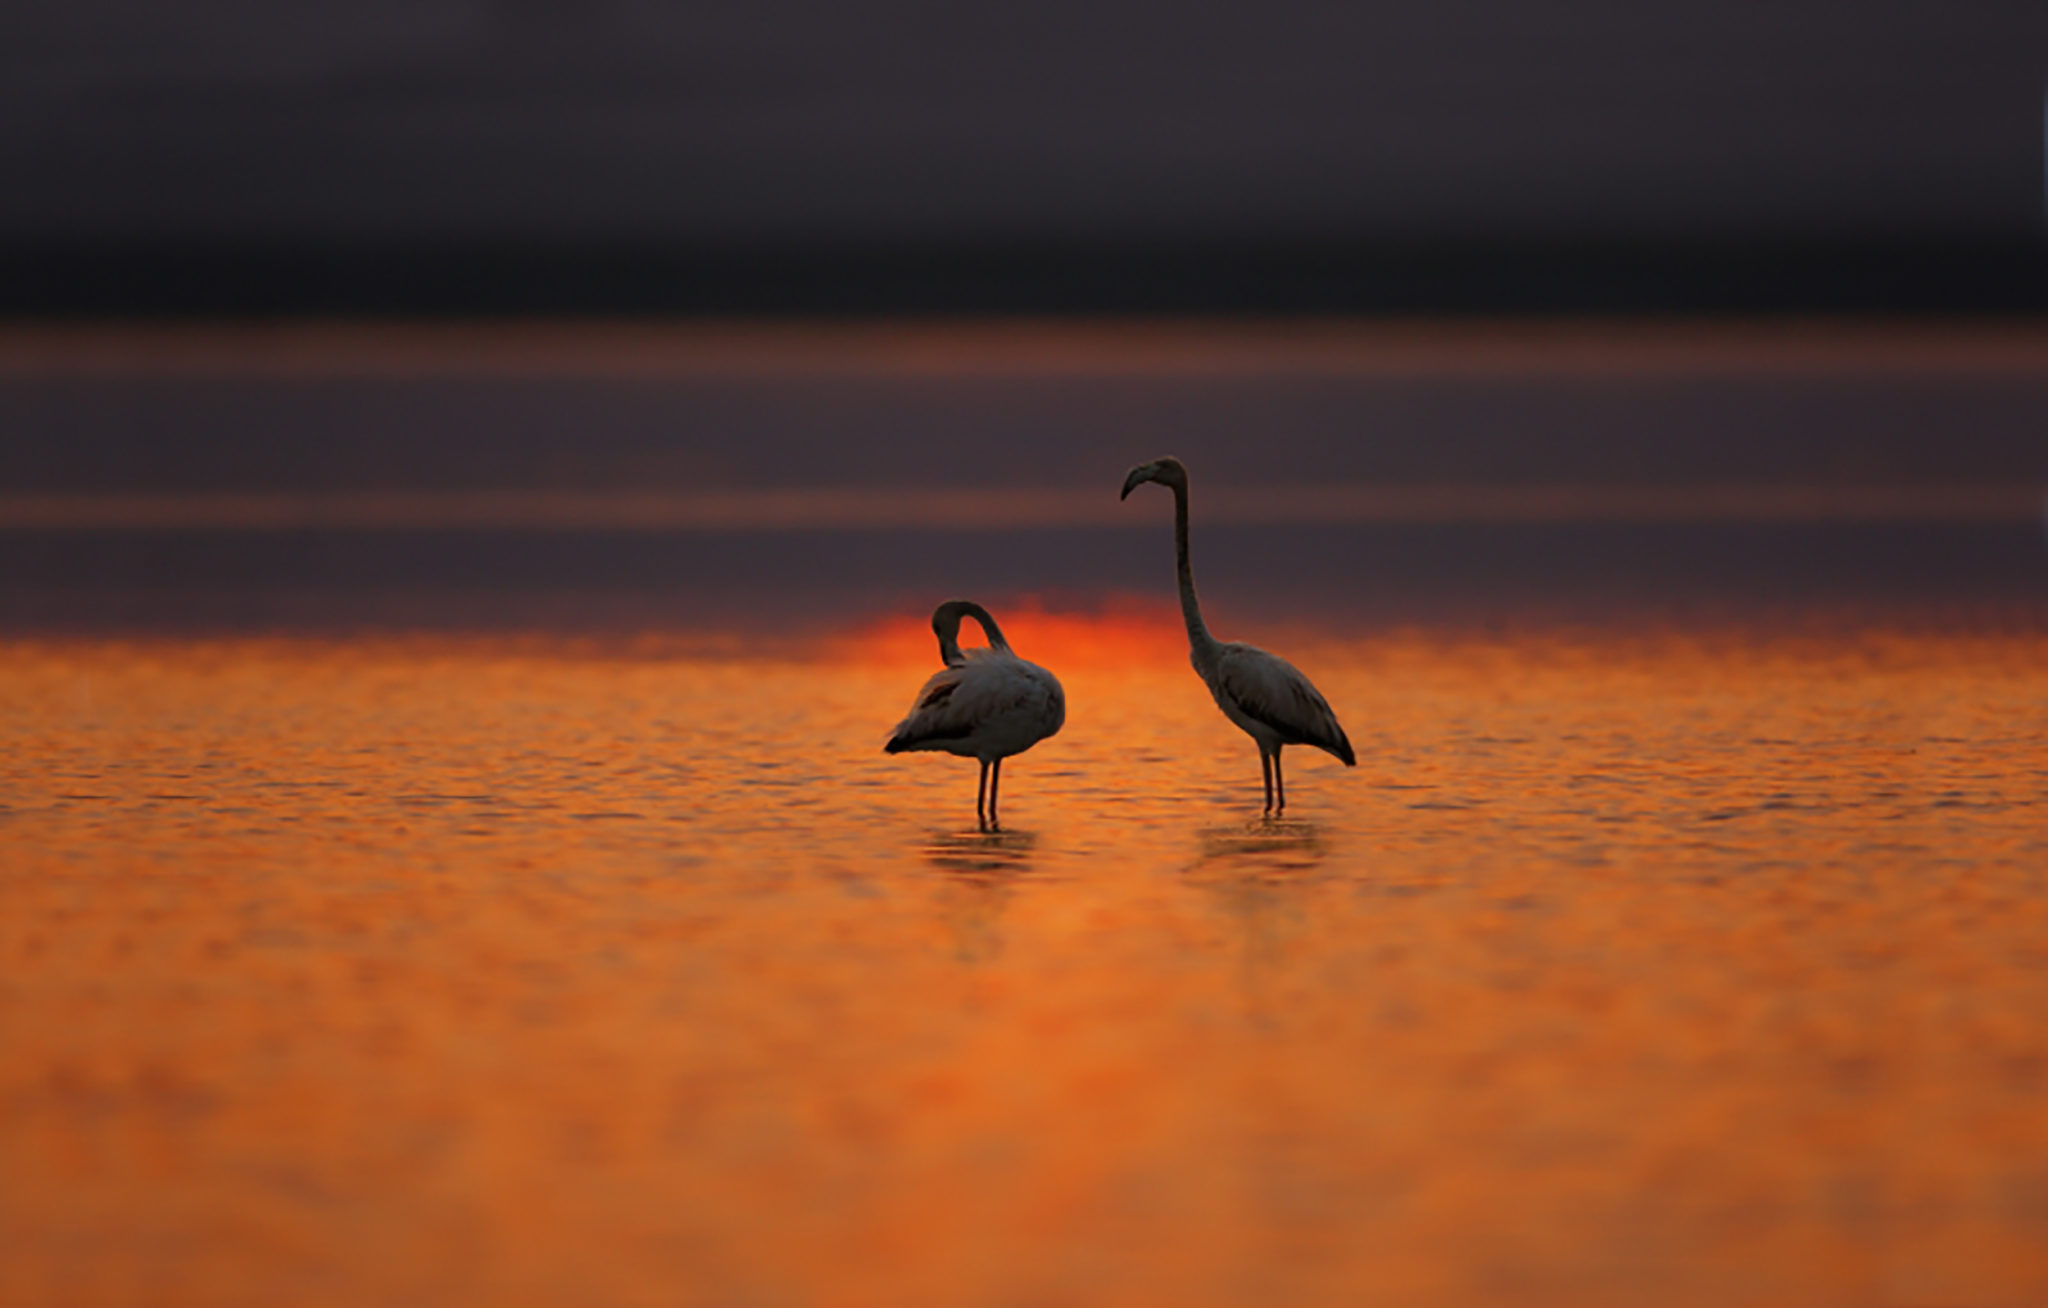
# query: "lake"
{"type": "Point", "coordinates": [421, 899]}
{"type": "Point", "coordinates": [1698, 964]}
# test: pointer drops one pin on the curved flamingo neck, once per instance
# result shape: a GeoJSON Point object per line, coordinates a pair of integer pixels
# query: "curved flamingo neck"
{"type": "Point", "coordinates": [1199, 638]}
{"type": "Point", "coordinates": [946, 625]}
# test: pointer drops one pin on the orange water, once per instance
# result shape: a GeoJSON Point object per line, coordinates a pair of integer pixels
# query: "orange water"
{"type": "Point", "coordinates": [1626, 967]}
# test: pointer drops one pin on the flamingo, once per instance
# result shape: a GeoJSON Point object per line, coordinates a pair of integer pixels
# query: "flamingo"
{"type": "Point", "coordinates": [985, 703]}
{"type": "Point", "coordinates": [1265, 695]}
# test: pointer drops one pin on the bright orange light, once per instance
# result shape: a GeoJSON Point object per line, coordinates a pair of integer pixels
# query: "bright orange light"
{"type": "Point", "coordinates": [1121, 633]}
{"type": "Point", "coordinates": [529, 972]}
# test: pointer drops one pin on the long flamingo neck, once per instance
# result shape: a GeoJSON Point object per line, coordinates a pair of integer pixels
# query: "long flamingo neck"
{"type": "Point", "coordinates": [989, 629]}
{"type": "Point", "coordinates": [1190, 607]}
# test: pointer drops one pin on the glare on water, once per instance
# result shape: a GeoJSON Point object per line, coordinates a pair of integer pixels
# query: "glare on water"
{"type": "Point", "coordinates": [1699, 966]}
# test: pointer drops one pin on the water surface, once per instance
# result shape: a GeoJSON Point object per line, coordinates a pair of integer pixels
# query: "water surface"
{"type": "Point", "coordinates": [1691, 964]}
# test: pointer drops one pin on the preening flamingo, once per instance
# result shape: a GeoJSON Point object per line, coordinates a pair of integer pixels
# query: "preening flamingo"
{"type": "Point", "coordinates": [985, 704]}
{"type": "Point", "coordinates": [1264, 694]}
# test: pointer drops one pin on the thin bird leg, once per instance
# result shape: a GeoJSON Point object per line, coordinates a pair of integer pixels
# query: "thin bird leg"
{"type": "Point", "coordinates": [981, 799]}
{"type": "Point", "coordinates": [1266, 770]}
{"type": "Point", "coordinates": [1279, 786]}
{"type": "Point", "coordinates": [995, 781]}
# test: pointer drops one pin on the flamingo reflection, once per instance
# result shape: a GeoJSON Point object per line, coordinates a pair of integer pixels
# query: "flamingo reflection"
{"type": "Point", "coordinates": [1266, 877]}
{"type": "Point", "coordinates": [1268, 849]}
{"type": "Point", "coordinates": [980, 873]}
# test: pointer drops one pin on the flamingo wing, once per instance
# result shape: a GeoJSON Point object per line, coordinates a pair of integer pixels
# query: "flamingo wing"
{"type": "Point", "coordinates": [1273, 692]}
{"type": "Point", "coordinates": [976, 696]}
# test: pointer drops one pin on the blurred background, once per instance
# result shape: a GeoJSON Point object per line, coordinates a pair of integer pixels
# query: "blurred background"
{"type": "Point", "coordinates": [529, 156]}
{"type": "Point", "coordinates": [474, 475]}
{"type": "Point", "coordinates": [1782, 265]}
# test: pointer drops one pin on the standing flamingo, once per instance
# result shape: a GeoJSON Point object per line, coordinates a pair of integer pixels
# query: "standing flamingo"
{"type": "Point", "coordinates": [985, 703]}
{"type": "Point", "coordinates": [1264, 694]}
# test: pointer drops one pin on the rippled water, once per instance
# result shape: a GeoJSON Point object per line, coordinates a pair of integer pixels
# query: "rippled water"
{"type": "Point", "coordinates": [1704, 967]}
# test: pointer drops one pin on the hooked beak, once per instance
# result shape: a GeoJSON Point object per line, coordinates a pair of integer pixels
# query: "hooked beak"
{"type": "Point", "coordinates": [1139, 476]}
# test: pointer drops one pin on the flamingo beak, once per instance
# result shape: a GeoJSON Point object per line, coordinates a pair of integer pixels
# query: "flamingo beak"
{"type": "Point", "coordinates": [1139, 476]}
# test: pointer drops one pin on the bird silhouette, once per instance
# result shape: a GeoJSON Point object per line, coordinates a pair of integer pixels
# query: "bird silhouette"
{"type": "Point", "coordinates": [1265, 695]}
{"type": "Point", "coordinates": [985, 704]}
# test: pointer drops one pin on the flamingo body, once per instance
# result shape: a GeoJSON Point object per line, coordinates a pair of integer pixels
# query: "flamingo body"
{"type": "Point", "coordinates": [1271, 701]}
{"type": "Point", "coordinates": [985, 704]}
{"type": "Point", "coordinates": [990, 706]}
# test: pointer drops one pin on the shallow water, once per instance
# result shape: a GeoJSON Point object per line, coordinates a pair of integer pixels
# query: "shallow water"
{"type": "Point", "coordinates": [1700, 965]}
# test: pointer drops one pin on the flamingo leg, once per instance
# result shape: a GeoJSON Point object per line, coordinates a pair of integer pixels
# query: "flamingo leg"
{"type": "Point", "coordinates": [1266, 771]}
{"type": "Point", "coordinates": [995, 782]}
{"type": "Point", "coordinates": [1279, 786]}
{"type": "Point", "coordinates": [981, 799]}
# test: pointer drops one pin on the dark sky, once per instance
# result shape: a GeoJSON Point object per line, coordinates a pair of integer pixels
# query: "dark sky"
{"type": "Point", "coordinates": [799, 120]}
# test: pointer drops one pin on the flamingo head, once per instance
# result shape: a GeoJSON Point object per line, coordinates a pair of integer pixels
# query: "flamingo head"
{"type": "Point", "coordinates": [1167, 472]}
